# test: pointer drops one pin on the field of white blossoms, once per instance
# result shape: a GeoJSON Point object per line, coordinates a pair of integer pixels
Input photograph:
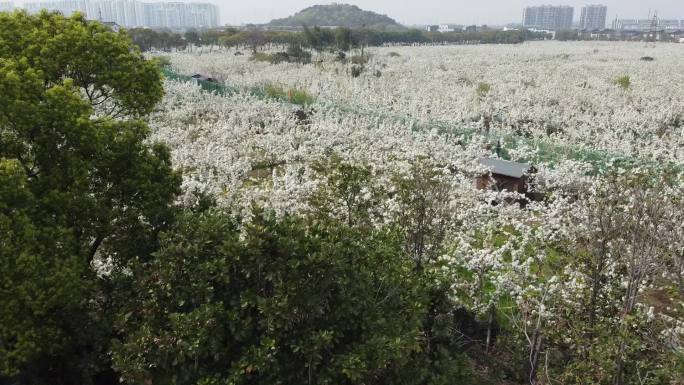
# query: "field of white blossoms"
{"type": "Point", "coordinates": [573, 110]}
{"type": "Point", "coordinates": [559, 102]}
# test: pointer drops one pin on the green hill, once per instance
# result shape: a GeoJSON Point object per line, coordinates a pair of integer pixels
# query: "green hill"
{"type": "Point", "coordinates": [337, 15]}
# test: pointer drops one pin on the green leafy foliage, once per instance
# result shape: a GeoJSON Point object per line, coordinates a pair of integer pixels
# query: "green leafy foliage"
{"type": "Point", "coordinates": [339, 15]}
{"type": "Point", "coordinates": [483, 89]}
{"type": "Point", "coordinates": [350, 193]}
{"type": "Point", "coordinates": [87, 188]}
{"type": "Point", "coordinates": [274, 58]}
{"type": "Point", "coordinates": [623, 82]}
{"type": "Point", "coordinates": [148, 39]}
{"type": "Point", "coordinates": [568, 35]}
{"type": "Point", "coordinates": [300, 300]}
{"type": "Point", "coordinates": [292, 95]}
{"type": "Point", "coordinates": [72, 48]}
{"type": "Point", "coordinates": [297, 54]}
{"type": "Point", "coordinates": [40, 314]}
{"type": "Point", "coordinates": [320, 39]}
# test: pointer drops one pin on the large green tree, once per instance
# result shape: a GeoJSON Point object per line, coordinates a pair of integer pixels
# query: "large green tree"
{"type": "Point", "coordinates": [86, 189]}
{"type": "Point", "coordinates": [291, 301]}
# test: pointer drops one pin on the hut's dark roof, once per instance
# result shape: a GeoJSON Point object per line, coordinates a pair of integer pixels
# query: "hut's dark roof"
{"type": "Point", "coordinates": [204, 78]}
{"type": "Point", "coordinates": [507, 168]}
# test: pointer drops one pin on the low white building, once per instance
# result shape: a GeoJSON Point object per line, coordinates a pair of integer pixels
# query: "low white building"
{"type": "Point", "coordinates": [645, 25]}
{"type": "Point", "coordinates": [449, 28]}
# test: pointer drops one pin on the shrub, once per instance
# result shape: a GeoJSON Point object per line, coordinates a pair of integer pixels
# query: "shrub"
{"type": "Point", "coordinates": [163, 61]}
{"type": "Point", "coordinates": [360, 59]}
{"type": "Point", "coordinates": [393, 54]}
{"type": "Point", "coordinates": [275, 91]}
{"type": "Point", "coordinates": [483, 89]}
{"type": "Point", "coordinates": [647, 58]}
{"type": "Point", "coordinates": [299, 55]}
{"type": "Point", "coordinates": [356, 71]}
{"type": "Point", "coordinates": [292, 95]}
{"type": "Point", "coordinates": [280, 57]}
{"type": "Point", "coordinates": [276, 58]}
{"type": "Point", "coordinates": [299, 97]}
{"type": "Point", "coordinates": [261, 56]}
{"type": "Point", "coordinates": [623, 82]}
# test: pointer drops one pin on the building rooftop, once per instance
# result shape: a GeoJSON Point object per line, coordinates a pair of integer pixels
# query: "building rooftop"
{"type": "Point", "coordinates": [507, 168]}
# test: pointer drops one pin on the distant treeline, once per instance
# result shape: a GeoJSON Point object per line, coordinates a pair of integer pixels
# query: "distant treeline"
{"type": "Point", "coordinates": [319, 38]}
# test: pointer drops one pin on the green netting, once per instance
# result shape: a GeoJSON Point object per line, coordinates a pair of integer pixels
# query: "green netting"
{"type": "Point", "coordinates": [208, 86]}
{"type": "Point", "coordinates": [545, 151]}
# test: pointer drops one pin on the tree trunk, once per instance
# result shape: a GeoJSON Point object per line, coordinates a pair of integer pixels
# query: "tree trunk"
{"type": "Point", "coordinates": [490, 324]}
{"type": "Point", "coordinates": [630, 303]}
{"type": "Point", "coordinates": [535, 349]}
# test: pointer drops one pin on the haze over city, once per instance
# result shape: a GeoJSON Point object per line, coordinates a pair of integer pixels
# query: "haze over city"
{"type": "Point", "coordinates": [493, 12]}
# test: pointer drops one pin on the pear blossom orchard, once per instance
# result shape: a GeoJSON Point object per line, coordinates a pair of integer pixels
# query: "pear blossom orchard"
{"type": "Point", "coordinates": [328, 206]}
{"type": "Point", "coordinates": [422, 102]}
{"type": "Point", "coordinates": [602, 124]}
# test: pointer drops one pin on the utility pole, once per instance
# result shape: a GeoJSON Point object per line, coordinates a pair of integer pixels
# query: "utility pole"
{"type": "Point", "coordinates": [653, 30]}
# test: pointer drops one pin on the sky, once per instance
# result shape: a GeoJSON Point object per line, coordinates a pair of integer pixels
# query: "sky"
{"type": "Point", "coordinates": [491, 12]}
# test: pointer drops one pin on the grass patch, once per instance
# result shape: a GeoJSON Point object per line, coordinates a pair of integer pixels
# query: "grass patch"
{"type": "Point", "coordinates": [275, 91]}
{"type": "Point", "coordinates": [623, 82]}
{"type": "Point", "coordinates": [275, 58]}
{"type": "Point", "coordinates": [292, 95]}
{"type": "Point", "coordinates": [483, 89]}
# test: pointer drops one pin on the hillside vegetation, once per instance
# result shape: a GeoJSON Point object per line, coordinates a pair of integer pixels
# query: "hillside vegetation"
{"type": "Point", "coordinates": [338, 15]}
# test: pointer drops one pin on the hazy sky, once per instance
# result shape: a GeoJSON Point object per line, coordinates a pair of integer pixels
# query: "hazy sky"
{"type": "Point", "coordinates": [439, 11]}
{"type": "Point", "coordinates": [442, 11]}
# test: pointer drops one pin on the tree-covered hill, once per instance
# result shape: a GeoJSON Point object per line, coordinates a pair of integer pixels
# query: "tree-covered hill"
{"type": "Point", "coordinates": [338, 15]}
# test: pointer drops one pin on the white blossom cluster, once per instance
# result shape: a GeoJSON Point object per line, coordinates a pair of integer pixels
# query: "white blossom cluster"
{"type": "Point", "coordinates": [242, 148]}
{"type": "Point", "coordinates": [564, 93]}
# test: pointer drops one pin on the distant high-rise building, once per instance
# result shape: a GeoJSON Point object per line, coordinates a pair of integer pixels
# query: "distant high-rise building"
{"type": "Point", "coordinates": [65, 7]}
{"type": "Point", "coordinates": [593, 17]}
{"type": "Point", "coordinates": [179, 15]}
{"type": "Point", "coordinates": [548, 17]}
{"type": "Point", "coordinates": [134, 13]}
{"type": "Point", "coordinates": [6, 6]}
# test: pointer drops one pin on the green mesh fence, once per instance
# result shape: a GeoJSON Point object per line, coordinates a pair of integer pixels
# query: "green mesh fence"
{"type": "Point", "coordinates": [545, 151]}
{"type": "Point", "coordinates": [207, 86]}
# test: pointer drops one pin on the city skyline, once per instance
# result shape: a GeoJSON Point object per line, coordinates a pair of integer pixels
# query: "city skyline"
{"type": "Point", "coordinates": [495, 12]}
{"type": "Point", "coordinates": [134, 13]}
